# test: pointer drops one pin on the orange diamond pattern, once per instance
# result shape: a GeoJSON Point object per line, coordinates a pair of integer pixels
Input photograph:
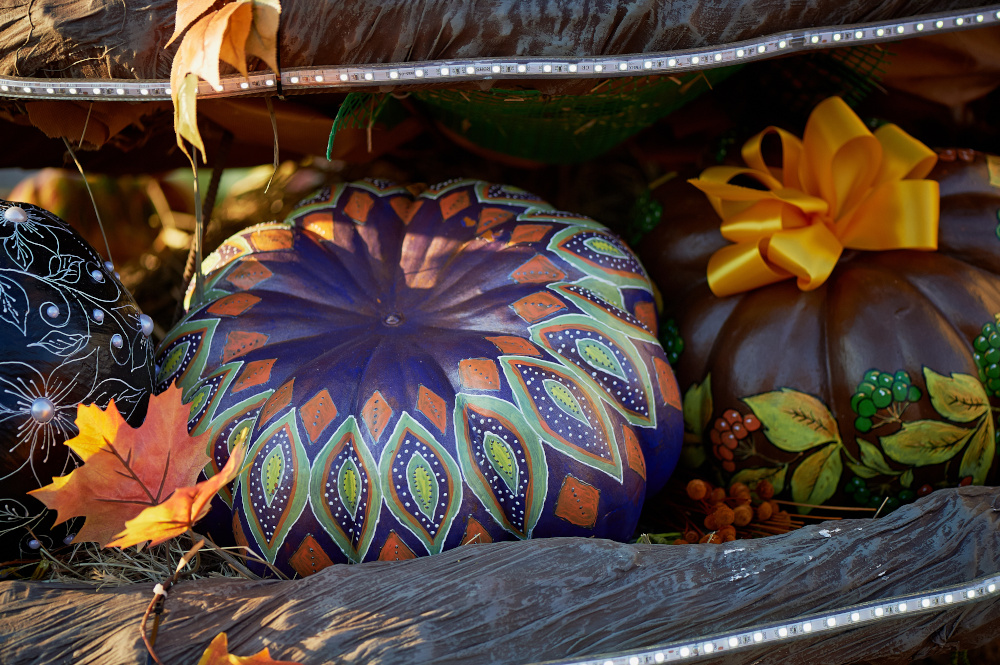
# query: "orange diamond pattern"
{"type": "Point", "coordinates": [537, 306]}
{"type": "Point", "coordinates": [317, 413]}
{"type": "Point", "coordinates": [529, 233]}
{"type": "Point", "coordinates": [479, 374]}
{"type": "Point", "coordinates": [537, 270]}
{"type": "Point", "coordinates": [233, 305]}
{"type": "Point", "coordinates": [254, 373]}
{"type": "Point", "coordinates": [577, 502]}
{"type": "Point", "coordinates": [646, 313]}
{"type": "Point", "coordinates": [269, 240]}
{"type": "Point", "coordinates": [490, 217]}
{"type": "Point", "coordinates": [248, 274]}
{"type": "Point", "coordinates": [405, 208]}
{"type": "Point", "coordinates": [358, 206]}
{"type": "Point", "coordinates": [454, 203]}
{"type": "Point", "coordinates": [320, 223]}
{"type": "Point", "coordinates": [376, 414]}
{"type": "Point", "coordinates": [633, 453]}
{"type": "Point", "coordinates": [514, 345]}
{"type": "Point", "coordinates": [395, 549]}
{"type": "Point", "coordinates": [475, 534]}
{"type": "Point", "coordinates": [309, 558]}
{"type": "Point", "coordinates": [239, 343]}
{"type": "Point", "coordinates": [668, 385]}
{"type": "Point", "coordinates": [432, 406]}
{"type": "Point", "coordinates": [281, 398]}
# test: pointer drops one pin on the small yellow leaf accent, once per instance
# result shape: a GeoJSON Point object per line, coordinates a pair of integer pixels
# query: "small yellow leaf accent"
{"type": "Point", "coordinates": [794, 421]}
{"type": "Point", "coordinates": [960, 397]}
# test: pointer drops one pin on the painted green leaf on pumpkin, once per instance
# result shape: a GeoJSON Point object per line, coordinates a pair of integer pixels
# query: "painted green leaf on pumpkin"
{"type": "Point", "coordinates": [172, 362]}
{"type": "Point", "coordinates": [774, 474]}
{"type": "Point", "coordinates": [564, 399]}
{"type": "Point", "coordinates": [273, 472]}
{"type": "Point", "coordinates": [960, 397]}
{"type": "Point", "coordinates": [978, 457]}
{"type": "Point", "coordinates": [794, 421]}
{"type": "Point", "coordinates": [697, 406]}
{"type": "Point", "coordinates": [421, 483]}
{"type": "Point", "coordinates": [925, 442]}
{"type": "Point", "coordinates": [907, 478]}
{"type": "Point", "coordinates": [872, 458]}
{"type": "Point", "coordinates": [815, 480]}
{"type": "Point", "coordinates": [349, 485]}
{"type": "Point", "coordinates": [501, 458]}
{"type": "Point", "coordinates": [862, 471]}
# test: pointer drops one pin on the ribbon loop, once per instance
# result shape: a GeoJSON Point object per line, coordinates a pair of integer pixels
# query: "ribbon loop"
{"type": "Point", "coordinates": [839, 187]}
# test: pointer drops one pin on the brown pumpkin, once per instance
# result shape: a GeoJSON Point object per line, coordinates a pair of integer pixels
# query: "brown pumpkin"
{"type": "Point", "coordinates": [880, 384]}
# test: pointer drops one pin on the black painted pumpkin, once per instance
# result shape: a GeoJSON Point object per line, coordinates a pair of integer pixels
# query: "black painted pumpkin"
{"type": "Point", "coordinates": [69, 333]}
{"type": "Point", "coordinates": [880, 384]}
{"type": "Point", "coordinates": [418, 368]}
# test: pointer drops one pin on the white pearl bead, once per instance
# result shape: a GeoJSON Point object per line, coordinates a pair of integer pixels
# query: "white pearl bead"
{"type": "Point", "coordinates": [146, 323]}
{"type": "Point", "coordinates": [98, 315]}
{"type": "Point", "coordinates": [15, 214]}
{"type": "Point", "coordinates": [42, 410]}
{"type": "Point", "coordinates": [117, 341]}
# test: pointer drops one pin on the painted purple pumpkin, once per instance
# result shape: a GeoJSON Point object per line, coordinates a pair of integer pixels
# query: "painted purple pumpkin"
{"type": "Point", "coordinates": [415, 369]}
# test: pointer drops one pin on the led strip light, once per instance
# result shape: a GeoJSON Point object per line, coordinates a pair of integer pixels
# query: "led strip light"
{"type": "Point", "coordinates": [317, 79]}
{"type": "Point", "coordinates": [768, 634]}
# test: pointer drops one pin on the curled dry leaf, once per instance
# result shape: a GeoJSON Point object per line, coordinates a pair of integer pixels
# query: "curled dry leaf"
{"type": "Point", "coordinates": [125, 469]}
{"type": "Point", "coordinates": [229, 34]}
{"type": "Point", "coordinates": [217, 653]}
{"type": "Point", "coordinates": [185, 507]}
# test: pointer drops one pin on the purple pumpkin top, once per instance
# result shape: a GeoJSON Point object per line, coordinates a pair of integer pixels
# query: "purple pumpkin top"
{"type": "Point", "coordinates": [416, 369]}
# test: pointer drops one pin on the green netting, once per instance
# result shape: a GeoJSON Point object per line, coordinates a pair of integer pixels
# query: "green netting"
{"type": "Point", "coordinates": [564, 128]}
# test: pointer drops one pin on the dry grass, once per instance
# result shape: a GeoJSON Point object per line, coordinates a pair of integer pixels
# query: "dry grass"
{"type": "Point", "coordinates": [89, 563]}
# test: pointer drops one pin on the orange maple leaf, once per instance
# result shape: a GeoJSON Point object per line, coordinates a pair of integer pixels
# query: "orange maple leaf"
{"type": "Point", "coordinates": [124, 469]}
{"type": "Point", "coordinates": [217, 653]}
{"type": "Point", "coordinates": [185, 507]}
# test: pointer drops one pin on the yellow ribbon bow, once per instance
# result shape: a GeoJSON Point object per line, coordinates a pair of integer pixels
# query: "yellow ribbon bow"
{"type": "Point", "coordinates": [839, 187]}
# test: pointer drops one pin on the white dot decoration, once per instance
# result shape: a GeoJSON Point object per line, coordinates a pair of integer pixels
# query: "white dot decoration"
{"type": "Point", "coordinates": [522, 68]}
{"type": "Point", "coordinates": [648, 64]}
{"type": "Point", "coordinates": [26, 89]}
{"type": "Point", "coordinates": [807, 627]}
{"type": "Point", "coordinates": [244, 85]}
{"type": "Point", "coordinates": [959, 21]}
{"type": "Point", "coordinates": [294, 79]}
{"type": "Point", "coordinates": [900, 29]}
{"type": "Point", "coordinates": [685, 652]}
{"type": "Point", "coordinates": [470, 70]}
{"type": "Point", "coordinates": [633, 661]}
{"type": "Point", "coordinates": [121, 91]}
{"type": "Point", "coordinates": [547, 68]}
{"type": "Point", "coordinates": [42, 410]}
{"type": "Point", "coordinates": [117, 341]}
{"type": "Point", "coordinates": [672, 62]}
{"type": "Point", "coordinates": [926, 602]}
{"type": "Point", "coordinates": [971, 593]}
{"type": "Point", "coordinates": [758, 637]}
{"type": "Point", "coordinates": [318, 79]}
{"type": "Point", "coordinates": [879, 611]}
{"type": "Point", "coordinates": [622, 66]}
{"type": "Point", "coordinates": [739, 53]}
{"type": "Point", "coordinates": [146, 324]}
{"type": "Point", "coordinates": [859, 34]}
{"type": "Point", "coordinates": [109, 266]}
{"type": "Point", "coordinates": [782, 44]}
{"type": "Point", "coordinates": [418, 73]}
{"type": "Point", "coordinates": [496, 69]}
{"type": "Point", "coordinates": [901, 607]}
{"type": "Point", "coordinates": [98, 315]}
{"type": "Point", "coordinates": [394, 74]}
{"type": "Point", "coordinates": [52, 311]}
{"type": "Point", "coordinates": [938, 24]}
{"type": "Point", "coordinates": [708, 647]}
{"type": "Point", "coordinates": [949, 598]}
{"type": "Point", "coordinates": [659, 657]}
{"type": "Point", "coordinates": [369, 76]}
{"type": "Point", "coordinates": [72, 91]}
{"type": "Point", "coordinates": [694, 60]}
{"type": "Point", "coordinates": [782, 632]}
{"type": "Point", "coordinates": [814, 39]}
{"type": "Point", "coordinates": [143, 91]}
{"type": "Point", "coordinates": [4, 88]}
{"type": "Point", "coordinates": [343, 77]}
{"type": "Point", "coordinates": [97, 91]}
{"type": "Point", "coordinates": [831, 622]}
{"type": "Point", "coordinates": [572, 69]}
{"type": "Point", "coordinates": [991, 588]}
{"type": "Point", "coordinates": [97, 275]}
{"type": "Point", "coordinates": [15, 214]}
{"type": "Point", "coordinates": [855, 616]}
{"type": "Point", "coordinates": [269, 82]}
{"type": "Point", "coordinates": [445, 71]}
{"type": "Point", "coordinates": [718, 57]}
{"type": "Point", "coordinates": [598, 68]}
{"type": "Point", "coordinates": [761, 48]}
{"type": "Point", "coordinates": [920, 27]}
{"type": "Point", "coordinates": [836, 37]}
{"type": "Point", "coordinates": [733, 642]}
{"type": "Point", "coordinates": [880, 32]}
{"type": "Point", "coordinates": [979, 18]}
{"type": "Point", "coordinates": [51, 90]}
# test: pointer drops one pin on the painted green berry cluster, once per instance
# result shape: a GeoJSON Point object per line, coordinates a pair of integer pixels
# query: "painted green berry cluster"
{"type": "Point", "coordinates": [987, 357]}
{"type": "Point", "coordinates": [880, 390]}
{"type": "Point", "coordinates": [863, 495]}
{"type": "Point", "coordinates": [670, 339]}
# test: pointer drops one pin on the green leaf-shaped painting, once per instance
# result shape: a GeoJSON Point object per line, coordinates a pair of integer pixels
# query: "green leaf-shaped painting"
{"type": "Point", "coordinates": [794, 421]}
